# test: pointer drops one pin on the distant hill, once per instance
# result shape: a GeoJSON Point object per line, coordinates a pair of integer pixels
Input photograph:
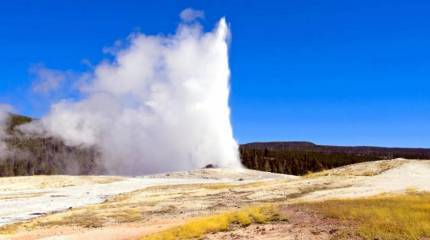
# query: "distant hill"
{"type": "Point", "coordinates": [38, 155]}
{"type": "Point", "coordinates": [299, 158]}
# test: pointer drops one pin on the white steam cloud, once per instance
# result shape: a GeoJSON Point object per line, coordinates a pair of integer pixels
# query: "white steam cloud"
{"type": "Point", "coordinates": [160, 105]}
{"type": "Point", "coordinates": [4, 117]}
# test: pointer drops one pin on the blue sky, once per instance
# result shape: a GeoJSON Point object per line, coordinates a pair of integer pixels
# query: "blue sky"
{"type": "Point", "coordinates": [331, 72]}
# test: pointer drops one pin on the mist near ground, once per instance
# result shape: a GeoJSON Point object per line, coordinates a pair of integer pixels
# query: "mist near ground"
{"type": "Point", "coordinates": [4, 114]}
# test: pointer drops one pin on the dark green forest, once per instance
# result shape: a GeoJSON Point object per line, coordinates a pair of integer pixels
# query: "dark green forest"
{"type": "Point", "coordinates": [299, 158]}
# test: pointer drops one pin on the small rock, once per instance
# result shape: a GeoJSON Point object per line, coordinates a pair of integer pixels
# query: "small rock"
{"type": "Point", "coordinates": [210, 165]}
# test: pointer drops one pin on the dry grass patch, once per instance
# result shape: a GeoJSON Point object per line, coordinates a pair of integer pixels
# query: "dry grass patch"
{"type": "Point", "coordinates": [359, 169]}
{"type": "Point", "coordinates": [240, 185]}
{"type": "Point", "coordinates": [198, 227]}
{"type": "Point", "coordinates": [217, 186]}
{"type": "Point", "coordinates": [399, 217]}
{"type": "Point", "coordinates": [20, 195]}
{"type": "Point", "coordinates": [85, 219]}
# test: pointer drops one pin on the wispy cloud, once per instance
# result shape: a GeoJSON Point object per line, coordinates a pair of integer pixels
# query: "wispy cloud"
{"type": "Point", "coordinates": [189, 14]}
{"type": "Point", "coordinates": [47, 80]}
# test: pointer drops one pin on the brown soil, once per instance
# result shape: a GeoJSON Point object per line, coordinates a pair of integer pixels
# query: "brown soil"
{"type": "Point", "coordinates": [302, 224]}
{"type": "Point", "coordinates": [122, 231]}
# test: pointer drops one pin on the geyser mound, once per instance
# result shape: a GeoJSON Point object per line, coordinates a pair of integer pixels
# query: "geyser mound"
{"type": "Point", "coordinates": [160, 105]}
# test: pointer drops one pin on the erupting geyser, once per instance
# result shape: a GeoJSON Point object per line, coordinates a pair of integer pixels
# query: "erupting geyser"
{"type": "Point", "coordinates": [160, 105]}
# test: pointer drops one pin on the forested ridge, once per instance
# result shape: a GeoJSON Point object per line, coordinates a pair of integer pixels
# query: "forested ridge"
{"type": "Point", "coordinates": [299, 158]}
{"type": "Point", "coordinates": [39, 155]}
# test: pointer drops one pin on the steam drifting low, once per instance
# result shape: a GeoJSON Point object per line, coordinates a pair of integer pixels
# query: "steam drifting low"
{"type": "Point", "coordinates": [160, 105]}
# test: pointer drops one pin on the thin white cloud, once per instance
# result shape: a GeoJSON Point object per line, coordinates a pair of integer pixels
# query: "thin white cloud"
{"type": "Point", "coordinates": [189, 14]}
{"type": "Point", "coordinates": [47, 80]}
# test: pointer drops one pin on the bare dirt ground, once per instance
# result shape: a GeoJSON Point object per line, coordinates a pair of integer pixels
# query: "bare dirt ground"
{"type": "Point", "coordinates": [77, 207]}
{"type": "Point", "coordinates": [302, 224]}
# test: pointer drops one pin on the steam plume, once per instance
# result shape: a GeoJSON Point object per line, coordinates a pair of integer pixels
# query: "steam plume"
{"type": "Point", "coordinates": [160, 105]}
{"type": "Point", "coordinates": [4, 115]}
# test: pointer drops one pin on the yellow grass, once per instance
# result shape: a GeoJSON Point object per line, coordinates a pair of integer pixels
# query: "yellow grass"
{"type": "Point", "coordinates": [399, 217]}
{"type": "Point", "coordinates": [198, 227]}
{"type": "Point", "coordinates": [360, 169]}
